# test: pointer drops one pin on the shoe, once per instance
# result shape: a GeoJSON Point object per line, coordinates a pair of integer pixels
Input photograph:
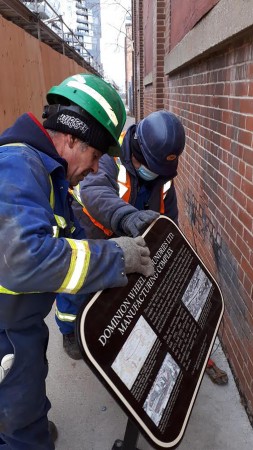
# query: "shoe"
{"type": "Point", "coordinates": [52, 430]}
{"type": "Point", "coordinates": [217, 375]}
{"type": "Point", "coordinates": [6, 364]}
{"type": "Point", "coordinates": [70, 346]}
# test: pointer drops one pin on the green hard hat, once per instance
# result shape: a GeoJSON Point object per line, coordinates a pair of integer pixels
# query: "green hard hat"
{"type": "Point", "coordinates": [98, 98]}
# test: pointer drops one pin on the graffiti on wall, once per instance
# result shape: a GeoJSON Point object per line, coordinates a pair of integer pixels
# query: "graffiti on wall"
{"type": "Point", "coordinates": [200, 220]}
{"type": "Point", "coordinates": [226, 263]}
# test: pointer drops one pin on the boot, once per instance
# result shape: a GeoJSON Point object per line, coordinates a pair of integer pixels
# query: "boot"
{"type": "Point", "coordinates": [70, 346]}
{"type": "Point", "coordinates": [52, 430]}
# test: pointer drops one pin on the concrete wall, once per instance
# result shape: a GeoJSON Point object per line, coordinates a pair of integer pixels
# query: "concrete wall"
{"type": "Point", "coordinates": [28, 69]}
{"type": "Point", "coordinates": [207, 79]}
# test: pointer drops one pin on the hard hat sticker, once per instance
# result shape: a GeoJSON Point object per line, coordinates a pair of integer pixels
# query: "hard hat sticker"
{"type": "Point", "coordinates": [96, 96]}
{"type": "Point", "coordinates": [171, 157]}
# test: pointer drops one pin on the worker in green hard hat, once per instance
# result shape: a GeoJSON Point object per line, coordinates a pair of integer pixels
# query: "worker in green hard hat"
{"type": "Point", "coordinates": [44, 252]}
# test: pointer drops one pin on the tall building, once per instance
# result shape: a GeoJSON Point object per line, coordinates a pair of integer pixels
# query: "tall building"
{"type": "Point", "coordinates": [78, 22]}
{"type": "Point", "coordinates": [83, 18]}
{"type": "Point", "coordinates": [94, 8]}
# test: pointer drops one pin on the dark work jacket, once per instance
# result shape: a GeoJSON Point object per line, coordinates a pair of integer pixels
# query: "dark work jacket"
{"type": "Point", "coordinates": [34, 264]}
{"type": "Point", "coordinates": [100, 194]}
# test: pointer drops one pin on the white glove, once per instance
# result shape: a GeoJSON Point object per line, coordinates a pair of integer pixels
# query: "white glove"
{"type": "Point", "coordinates": [132, 224]}
{"type": "Point", "coordinates": [136, 254]}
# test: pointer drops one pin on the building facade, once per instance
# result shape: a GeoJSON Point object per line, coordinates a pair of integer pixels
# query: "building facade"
{"type": "Point", "coordinates": [197, 61]}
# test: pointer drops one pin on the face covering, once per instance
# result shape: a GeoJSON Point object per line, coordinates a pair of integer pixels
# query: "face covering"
{"type": "Point", "coordinates": [146, 174]}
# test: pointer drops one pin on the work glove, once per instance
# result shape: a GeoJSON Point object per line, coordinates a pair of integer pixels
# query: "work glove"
{"type": "Point", "coordinates": [132, 224]}
{"type": "Point", "coordinates": [136, 255]}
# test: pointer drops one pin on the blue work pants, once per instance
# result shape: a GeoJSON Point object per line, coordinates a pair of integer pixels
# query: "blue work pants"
{"type": "Point", "coordinates": [23, 401]}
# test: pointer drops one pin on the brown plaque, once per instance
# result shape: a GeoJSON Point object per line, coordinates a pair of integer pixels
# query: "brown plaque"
{"type": "Point", "coordinates": [149, 342]}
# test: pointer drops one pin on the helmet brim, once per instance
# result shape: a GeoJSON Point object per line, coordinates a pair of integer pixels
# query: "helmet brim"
{"type": "Point", "coordinates": [166, 170]}
{"type": "Point", "coordinates": [114, 150]}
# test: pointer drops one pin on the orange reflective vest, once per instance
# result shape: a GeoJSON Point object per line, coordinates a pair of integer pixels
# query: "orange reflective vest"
{"type": "Point", "coordinates": [75, 193]}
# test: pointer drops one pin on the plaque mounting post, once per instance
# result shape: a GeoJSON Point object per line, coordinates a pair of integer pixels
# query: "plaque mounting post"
{"type": "Point", "coordinates": [130, 438]}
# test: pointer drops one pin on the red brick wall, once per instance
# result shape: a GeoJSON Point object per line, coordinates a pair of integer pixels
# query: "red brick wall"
{"type": "Point", "coordinates": [156, 54]}
{"type": "Point", "coordinates": [148, 43]}
{"type": "Point", "coordinates": [158, 68]}
{"type": "Point", "coordinates": [214, 98]}
{"type": "Point", "coordinates": [149, 99]}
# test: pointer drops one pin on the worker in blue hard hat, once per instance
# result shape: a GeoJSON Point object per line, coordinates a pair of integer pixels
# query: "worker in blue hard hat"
{"type": "Point", "coordinates": [140, 184]}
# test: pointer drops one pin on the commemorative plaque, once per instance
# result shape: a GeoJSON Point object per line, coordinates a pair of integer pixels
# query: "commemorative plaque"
{"type": "Point", "coordinates": [149, 341]}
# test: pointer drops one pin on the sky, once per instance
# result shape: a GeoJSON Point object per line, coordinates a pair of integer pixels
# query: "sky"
{"type": "Point", "coordinates": [112, 41]}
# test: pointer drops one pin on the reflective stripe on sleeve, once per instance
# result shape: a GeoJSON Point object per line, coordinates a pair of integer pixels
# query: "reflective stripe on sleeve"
{"type": "Point", "coordinates": [3, 290]}
{"type": "Point", "coordinates": [77, 272]}
{"type": "Point", "coordinates": [64, 317]}
{"type": "Point", "coordinates": [13, 144]}
{"type": "Point", "coordinates": [78, 268]}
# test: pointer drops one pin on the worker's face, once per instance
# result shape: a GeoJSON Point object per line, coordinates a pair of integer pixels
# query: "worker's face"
{"type": "Point", "coordinates": [82, 159]}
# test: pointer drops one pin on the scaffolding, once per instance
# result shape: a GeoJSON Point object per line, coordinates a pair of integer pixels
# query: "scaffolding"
{"type": "Point", "coordinates": [43, 21]}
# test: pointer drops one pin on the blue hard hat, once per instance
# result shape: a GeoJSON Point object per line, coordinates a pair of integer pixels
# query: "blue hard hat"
{"type": "Point", "coordinates": [161, 137]}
